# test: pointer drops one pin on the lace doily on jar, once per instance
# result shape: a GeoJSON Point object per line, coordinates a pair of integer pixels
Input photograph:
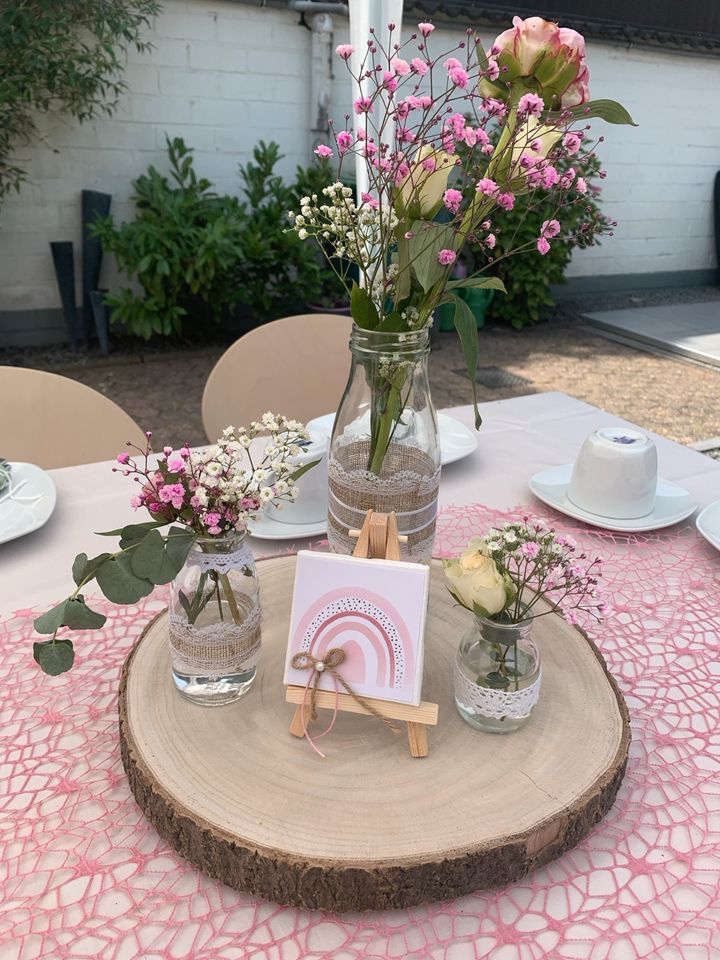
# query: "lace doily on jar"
{"type": "Point", "coordinates": [215, 649]}
{"type": "Point", "coordinates": [494, 703]}
{"type": "Point", "coordinates": [221, 562]}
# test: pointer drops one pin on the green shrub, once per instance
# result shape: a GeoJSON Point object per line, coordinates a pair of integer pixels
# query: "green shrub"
{"type": "Point", "coordinates": [198, 255]}
{"type": "Point", "coordinates": [275, 271]}
{"type": "Point", "coordinates": [182, 248]}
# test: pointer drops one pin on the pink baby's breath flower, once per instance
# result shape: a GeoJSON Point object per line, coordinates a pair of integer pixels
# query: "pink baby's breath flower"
{"type": "Point", "coordinates": [425, 29]}
{"type": "Point", "coordinates": [581, 185]}
{"type": "Point", "coordinates": [571, 142]}
{"type": "Point", "coordinates": [363, 105]}
{"type": "Point", "coordinates": [184, 451]}
{"type": "Point", "coordinates": [344, 141]}
{"type": "Point", "coordinates": [487, 187]}
{"type": "Point", "coordinates": [176, 465]}
{"type": "Point", "coordinates": [344, 50]}
{"type": "Point", "coordinates": [419, 66]}
{"type": "Point", "coordinates": [490, 241]}
{"type": "Point", "coordinates": [470, 136]}
{"type": "Point", "coordinates": [451, 63]}
{"type": "Point", "coordinates": [452, 200]}
{"type": "Point", "coordinates": [402, 171]}
{"type": "Point", "coordinates": [493, 70]}
{"type": "Point", "coordinates": [530, 550]}
{"type": "Point", "coordinates": [167, 451]}
{"type": "Point", "coordinates": [459, 77]}
{"type": "Point", "coordinates": [530, 104]}
{"type": "Point", "coordinates": [570, 616]}
{"type": "Point", "coordinates": [370, 200]}
{"type": "Point", "coordinates": [400, 66]}
{"type": "Point", "coordinates": [550, 228]}
{"type": "Point", "coordinates": [487, 149]}
{"type": "Point", "coordinates": [405, 135]}
{"type": "Point", "coordinates": [542, 245]}
{"type": "Point", "coordinates": [323, 151]}
{"type": "Point", "coordinates": [446, 257]}
{"type": "Point", "coordinates": [506, 200]}
{"type": "Point", "coordinates": [136, 502]}
{"type": "Point", "coordinates": [173, 493]}
{"type": "Point", "coordinates": [123, 457]}
{"type": "Point", "coordinates": [390, 82]}
{"type": "Point", "coordinates": [456, 123]}
{"type": "Point", "coordinates": [549, 176]}
{"type": "Point", "coordinates": [494, 108]}
{"type": "Point", "coordinates": [370, 149]}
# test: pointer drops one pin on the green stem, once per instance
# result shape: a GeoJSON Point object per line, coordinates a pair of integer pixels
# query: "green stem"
{"type": "Point", "coordinates": [230, 597]}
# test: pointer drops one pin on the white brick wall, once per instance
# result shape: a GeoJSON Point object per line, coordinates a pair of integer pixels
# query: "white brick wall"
{"type": "Point", "coordinates": [224, 75]}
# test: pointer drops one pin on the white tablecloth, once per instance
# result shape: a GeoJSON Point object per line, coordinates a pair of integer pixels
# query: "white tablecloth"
{"type": "Point", "coordinates": [518, 437]}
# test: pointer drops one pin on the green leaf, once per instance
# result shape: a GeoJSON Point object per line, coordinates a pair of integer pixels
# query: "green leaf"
{"type": "Point", "coordinates": [118, 582]}
{"type": "Point", "coordinates": [477, 283]}
{"type": "Point", "coordinates": [133, 532]}
{"type": "Point", "coordinates": [496, 680]}
{"type": "Point", "coordinates": [52, 620]}
{"type": "Point", "coordinates": [84, 569]}
{"type": "Point", "coordinates": [427, 241]}
{"type": "Point", "coordinates": [466, 326]}
{"type": "Point", "coordinates": [178, 543]}
{"type": "Point", "coordinates": [303, 469]}
{"type": "Point", "coordinates": [54, 656]}
{"type": "Point", "coordinates": [78, 616]}
{"type": "Point", "coordinates": [609, 110]}
{"type": "Point", "coordinates": [158, 559]}
{"type": "Point", "coordinates": [363, 310]}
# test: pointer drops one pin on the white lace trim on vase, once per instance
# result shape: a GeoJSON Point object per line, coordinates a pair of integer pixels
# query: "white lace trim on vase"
{"type": "Point", "coordinates": [497, 704]}
{"type": "Point", "coordinates": [221, 562]}
{"type": "Point", "coordinates": [405, 481]}
{"type": "Point", "coordinates": [215, 649]}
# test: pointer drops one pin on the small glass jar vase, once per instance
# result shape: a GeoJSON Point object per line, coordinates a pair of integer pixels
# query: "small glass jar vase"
{"type": "Point", "coordinates": [214, 621]}
{"type": "Point", "coordinates": [385, 452]}
{"type": "Point", "coordinates": [497, 675]}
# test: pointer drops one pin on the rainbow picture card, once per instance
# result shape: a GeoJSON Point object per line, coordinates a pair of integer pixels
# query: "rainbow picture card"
{"type": "Point", "coordinates": [374, 610]}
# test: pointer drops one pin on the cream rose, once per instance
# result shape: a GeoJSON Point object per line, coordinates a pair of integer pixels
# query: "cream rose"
{"type": "Point", "coordinates": [422, 189]}
{"type": "Point", "coordinates": [475, 581]}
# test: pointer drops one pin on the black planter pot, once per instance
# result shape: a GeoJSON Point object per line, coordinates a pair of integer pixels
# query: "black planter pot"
{"type": "Point", "coordinates": [100, 318]}
{"type": "Point", "coordinates": [64, 262]}
{"type": "Point", "coordinates": [94, 205]}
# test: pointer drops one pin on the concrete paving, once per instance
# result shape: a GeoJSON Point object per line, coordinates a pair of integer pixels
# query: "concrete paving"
{"type": "Point", "coordinates": [689, 329]}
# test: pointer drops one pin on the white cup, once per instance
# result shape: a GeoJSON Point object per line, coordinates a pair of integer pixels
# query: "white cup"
{"type": "Point", "coordinates": [311, 505]}
{"type": "Point", "coordinates": [615, 474]}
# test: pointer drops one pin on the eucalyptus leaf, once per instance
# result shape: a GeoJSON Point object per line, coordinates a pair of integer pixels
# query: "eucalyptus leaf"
{"type": "Point", "coordinates": [160, 559]}
{"type": "Point", "coordinates": [54, 656]}
{"type": "Point", "coordinates": [84, 569]}
{"type": "Point", "coordinates": [466, 326]}
{"type": "Point", "coordinates": [132, 531]}
{"type": "Point", "coordinates": [118, 582]}
{"type": "Point", "coordinates": [52, 620]}
{"type": "Point", "coordinates": [497, 681]}
{"type": "Point", "coordinates": [78, 616]}
{"type": "Point", "coordinates": [178, 543]}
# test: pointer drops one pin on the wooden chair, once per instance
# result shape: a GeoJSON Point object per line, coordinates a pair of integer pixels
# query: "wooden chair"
{"type": "Point", "coordinates": [53, 421]}
{"type": "Point", "coordinates": [297, 366]}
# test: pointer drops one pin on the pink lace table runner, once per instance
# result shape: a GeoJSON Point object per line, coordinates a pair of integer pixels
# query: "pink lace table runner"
{"type": "Point", "coordinates": [82, 873]}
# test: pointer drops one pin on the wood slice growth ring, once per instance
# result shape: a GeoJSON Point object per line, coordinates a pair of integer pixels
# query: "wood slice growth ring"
{"type": "Point", "coordinates": [371, 828]}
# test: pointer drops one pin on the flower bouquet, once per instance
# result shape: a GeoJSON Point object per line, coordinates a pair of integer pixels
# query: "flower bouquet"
{"type": "Point", "coordinates": [507, 579]}
{"type": "Point", "coordinates": [516, 110]}
{"type": "Point", "coordinates": [202, 500]}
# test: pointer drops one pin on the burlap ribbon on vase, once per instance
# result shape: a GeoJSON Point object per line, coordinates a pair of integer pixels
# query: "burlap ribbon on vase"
{"type": "Point", "coordinates": [217, 649]}
{"type": "Point", "coordinates": [408, 486]}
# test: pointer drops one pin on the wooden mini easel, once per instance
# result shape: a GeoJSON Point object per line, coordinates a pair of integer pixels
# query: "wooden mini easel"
{"type": "Point", "coordinates": [377, 540]}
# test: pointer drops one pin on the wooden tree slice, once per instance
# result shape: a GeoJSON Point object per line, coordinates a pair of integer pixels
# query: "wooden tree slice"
{"type": "Point", "coordinates": [369, 827]}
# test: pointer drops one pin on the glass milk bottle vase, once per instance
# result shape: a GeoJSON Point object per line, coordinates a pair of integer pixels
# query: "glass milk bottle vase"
{"type": "Point", "coordinates": [384, 452]}
{"type": "Point", "coordinates": [214, 621]}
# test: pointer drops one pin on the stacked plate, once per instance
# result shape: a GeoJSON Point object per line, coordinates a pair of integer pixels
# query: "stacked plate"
{"type": "Point", "coordinates": [27, 501]}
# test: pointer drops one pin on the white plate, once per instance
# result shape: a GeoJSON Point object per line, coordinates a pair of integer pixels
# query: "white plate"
{"type": "Point", "coordinates": [708, 523]}
{"type": "Point", "coordinates": [31, 506]}
{"type": "Point", "coordinates": [672, 503]}
{"type": "Point", "coordinates": [456, 440]}
{"type": "Point", "coordinates": [267, 528]}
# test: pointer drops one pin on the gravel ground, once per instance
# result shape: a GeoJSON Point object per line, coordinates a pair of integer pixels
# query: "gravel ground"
{"type": "Point", "coordinates": [161, 387]}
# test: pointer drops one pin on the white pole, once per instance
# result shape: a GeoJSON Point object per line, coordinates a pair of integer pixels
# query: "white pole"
{"type": "Point", "coordinates": [363, 15]}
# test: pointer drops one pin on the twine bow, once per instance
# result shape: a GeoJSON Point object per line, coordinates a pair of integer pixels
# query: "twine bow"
{"type": "Point", "coordinates": [328, 664]}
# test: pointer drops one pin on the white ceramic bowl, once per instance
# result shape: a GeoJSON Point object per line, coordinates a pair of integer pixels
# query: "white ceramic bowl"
{"type": "Point", "coordinates": [615, 474]}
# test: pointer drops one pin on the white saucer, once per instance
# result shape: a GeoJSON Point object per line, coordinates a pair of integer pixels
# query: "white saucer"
{"type": "Point", "coordinates": [268, 528]}
{"type": "Point", "coordinates": [456, 440]}
{"type": "Point", "coordinates": [31, 506]}
{"type": "Point", "coordinates": [672, 503]}
{"type": "Point", "coordinates": [708, 524]}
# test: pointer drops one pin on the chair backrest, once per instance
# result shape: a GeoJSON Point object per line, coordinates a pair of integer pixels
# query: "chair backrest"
{"type": "Point", "coordinates": [297, 366]}
{"type": "Point", "coordinates": [53, 421]}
